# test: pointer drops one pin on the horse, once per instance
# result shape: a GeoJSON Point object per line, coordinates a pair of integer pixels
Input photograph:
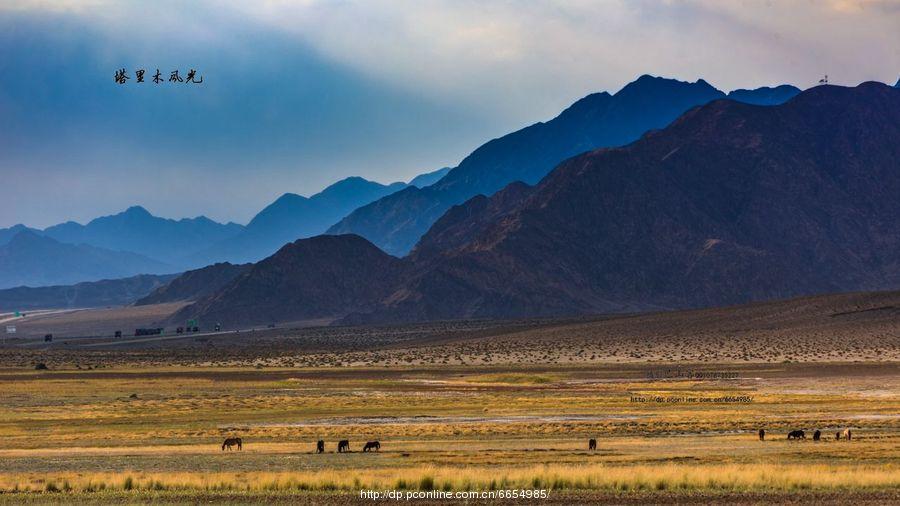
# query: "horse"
{"type": "Point", "coordinates": [762, 434]}
{"type": "Point", "coordinates": [232, 441]}
{"type": "Point", "coordinates": [592, 444]}
{"type": "Point", "coordinates": [846, 434]}
{"type": "Point", "coordinates": [343, 446]}
{"type": "Point", "coordinates": [837, 435]}
{"type": "Point", "coordinates": [320, 446]}
{"type": "Point", "coordinates": [796, 434]}
{"type": "Point", "coordinates": [817, 435]}
{"type": "Point", "coordinates": [372, 445]}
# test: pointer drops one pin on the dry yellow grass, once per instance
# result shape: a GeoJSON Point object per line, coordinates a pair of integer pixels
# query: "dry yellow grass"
{"type": "Point", "coordinates": [666, 477]}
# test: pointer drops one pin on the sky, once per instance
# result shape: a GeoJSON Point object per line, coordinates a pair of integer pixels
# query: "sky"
{"type": "Point", "coordinates": [299, 94]}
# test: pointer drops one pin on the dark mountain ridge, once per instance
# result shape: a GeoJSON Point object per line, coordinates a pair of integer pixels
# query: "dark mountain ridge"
{"type": "Point", "coordinates": [396, 222]}
{"type": "Point", "coordinates": [194, 284]}
{"type": "Point", "coordinates": [765, 95]}
{"type": "Point", "coordinates": [306, 279]}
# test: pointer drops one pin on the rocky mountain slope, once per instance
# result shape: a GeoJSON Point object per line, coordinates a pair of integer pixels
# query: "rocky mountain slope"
{"type": "Point", "coordinates": [396, 222]}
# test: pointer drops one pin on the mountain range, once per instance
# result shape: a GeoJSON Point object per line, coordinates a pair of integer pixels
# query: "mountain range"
{"type": "Point", "coordinates": [732, 202]}
{"type": "Point", "coordinates": [30, 259]}
{"type": "Point", "coordinates": [292, 217]}
{"type": "Point", "coordinates": [395, 216]}
{"type": "Point", "coordinates": [107, 292]}
{"type": "Point", "coordinates": [167, 245]}
{"type": "Point", "coordinates": [138, 231]}
{"type": "Point", "coordinates": [396, 222]}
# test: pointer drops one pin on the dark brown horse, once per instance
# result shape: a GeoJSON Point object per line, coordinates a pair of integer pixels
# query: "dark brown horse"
{"type": "Point", "coordinates": [817, 435]}
{"type": "Point", "coordinates": [232, 441]}
{"type": "Point", "coordinates": [796, 434]}
{"type": "Point", "coordinates": [592, 444]}
{"type": "Point", "coordinates": [343, 446]}
{"type": "Point", "coordinates": [320, 446]}
{"type": "Point", "coordinates": [762, 434]}
{"type": "Point", "coordinates": [372, 445]}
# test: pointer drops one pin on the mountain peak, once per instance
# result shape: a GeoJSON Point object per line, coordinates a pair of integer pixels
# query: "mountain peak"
{"type": "Point", "coordinates": [137, 211]}
{"type": "Point", "coordinates": [587, 105]}
{"type": "Point", "coordinates": [647, 83]}
{"type": "Point", "coordinates": [348, 182]}
{"type": "Point", "coordinates": [354, 184]}
{"type": "Point", "coordinates": [288, 197]}
{"type": "Point", "coordinates": [27, 236]}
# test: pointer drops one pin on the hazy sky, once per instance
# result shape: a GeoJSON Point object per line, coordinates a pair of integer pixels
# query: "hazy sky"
{"type": "Point", "coordinates": [298, 94]}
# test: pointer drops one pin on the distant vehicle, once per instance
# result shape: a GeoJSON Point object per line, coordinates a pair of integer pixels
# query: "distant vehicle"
{"type": "Point", "coordinates": [195, 329]}
{"type": "Point", "coordinates": [148, 332]}
{"type": "Point", "coordinates": [48, 338]}
{"type": "Point", "coordinates": [218, 327]}
{"type": "Point", "coordinates": [118, 333]}
{"type": "Point", "coordinates": [271, 325]}
{"type": "Point", "coordinates": [180, 330]}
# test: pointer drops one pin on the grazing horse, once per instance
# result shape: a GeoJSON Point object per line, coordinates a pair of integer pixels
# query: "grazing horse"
{"type": "Point", "coordinates": [320, 446]}
{"type": "Point", "coordinates": [592, 444]}
{"type": "Point", "coordinates": [817, 435]}
{"type": "Point", "coordinates": [232, 441]}
{"type": "Point", "coordinates": [762, 434]}
{"type": "Point", "coordinates": [846, 434]}
{"type": "Point", "coordinates": [372, 445]}
{"type": "Point", "coordinates": [837, 435]}
{"type": "Point", "coordinates": [796, 434]}
{"type": "Point", "coordinates": [343, 446]}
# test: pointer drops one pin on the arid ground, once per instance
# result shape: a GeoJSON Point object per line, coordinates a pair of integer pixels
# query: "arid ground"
{"type": "Point", "coordinates": [674, 401]}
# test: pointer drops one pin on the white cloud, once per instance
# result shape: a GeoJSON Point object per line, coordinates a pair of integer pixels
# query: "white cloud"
{"type": "Point", "coordinates": [542, 54]}
{"type": "Point", "coordinates": [518, 58]}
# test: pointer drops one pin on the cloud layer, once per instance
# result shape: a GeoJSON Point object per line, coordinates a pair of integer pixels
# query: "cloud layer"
{"type": "Point", "coordinates": [299, 94]}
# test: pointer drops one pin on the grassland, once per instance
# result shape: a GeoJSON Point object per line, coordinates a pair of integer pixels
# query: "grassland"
{"type": "Point", "coordinates": [123, 435]}
{"type": "Point", "coordinates": [674, 400]}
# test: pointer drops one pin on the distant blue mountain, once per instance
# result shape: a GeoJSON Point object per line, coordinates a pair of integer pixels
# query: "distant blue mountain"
{"type": "Point", "coordinates": [8, 233]}
{"type": "Point", "coordinates": [396, 222]}
{"type": "Point", "coordinates": [765, 95]}
{"type": "Point", "coordinates": [29, 259]}
{"type": "Point", "coordinates": [106, 292]}
{"type": "Point", "coordinates": [138, 231]}
{"type": "Point", "coordinates": [293, 217]}
{"type": "Point", "coordinates": [423, 180]}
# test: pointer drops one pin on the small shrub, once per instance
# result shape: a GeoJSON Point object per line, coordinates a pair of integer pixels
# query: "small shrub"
{"type": "Point", "coordinates": [426, 482]}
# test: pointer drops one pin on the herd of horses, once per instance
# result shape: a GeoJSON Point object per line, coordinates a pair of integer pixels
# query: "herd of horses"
{"type": "Point", "coordinates": [344, 444]}
{"type": "Point", "coordinates": [846, 434]}
{"type": "Point", "coordinates": [342, 447]}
